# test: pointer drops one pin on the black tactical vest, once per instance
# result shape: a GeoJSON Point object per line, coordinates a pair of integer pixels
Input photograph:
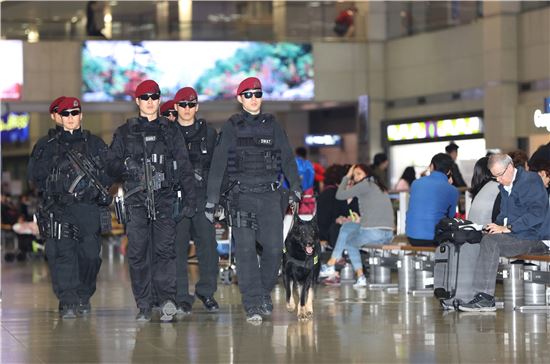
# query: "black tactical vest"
{"type": "Point", "coordinates": [254, 153]}
{"type": "Point", "coordinates": [197, 147]}
{"type": "Point", "coordinates": [64, 184]}
{"type": "Point", "coordinates": [158, 141]}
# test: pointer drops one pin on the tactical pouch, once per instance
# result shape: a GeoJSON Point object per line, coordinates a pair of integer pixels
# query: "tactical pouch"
{"type": "Point", "coordinates": [120, 210]}
{"type": "Point", "coordinates": [105, 219]}
{"type": "Point", "coordinates": [243, 219]}
{"type": "Point", "coordinates": [50, 228]}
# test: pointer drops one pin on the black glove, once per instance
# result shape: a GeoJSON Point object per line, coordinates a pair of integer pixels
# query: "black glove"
{"type": "Point", "coordinates": [132, 169]}
{"type": "Point", "coordinates": [294, 197]}
{"type": "Point", "coordinates": [209, 211]}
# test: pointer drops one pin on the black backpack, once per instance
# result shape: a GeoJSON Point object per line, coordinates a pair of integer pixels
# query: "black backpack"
{"type": "Point", "coordinates": [456, 231]}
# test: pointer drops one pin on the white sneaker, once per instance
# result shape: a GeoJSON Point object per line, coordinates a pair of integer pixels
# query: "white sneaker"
{"type": "Point", "coordinates": [361, 282]}
{"type": "Point", "coordinates": [327, 271]}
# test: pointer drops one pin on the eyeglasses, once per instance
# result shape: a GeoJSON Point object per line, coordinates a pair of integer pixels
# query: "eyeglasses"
{"type": "Point", "coordinates": [249, 94]}
{"type": "Point", "coordinates": [146, 97]}
{"type": "Point", "coordinates": [170, 112]}
{"type": "Point", "coordinates": [184, 104]}
{"type": "Point", "coordinates": [66, 113]}
{"type": "Point", "coordinates": [496, 176]}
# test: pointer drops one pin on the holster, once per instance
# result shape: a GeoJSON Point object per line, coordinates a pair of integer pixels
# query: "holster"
{"type": "Point", "coordinates": [120, 210]}
{"type": "Point", "coordinates": [105, 219]}
{"type": "Point", "coordinates": [177, 213]}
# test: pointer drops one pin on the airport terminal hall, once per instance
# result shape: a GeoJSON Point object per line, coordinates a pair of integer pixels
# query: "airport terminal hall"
{"type": "Point", "coordinates": [200, 181]}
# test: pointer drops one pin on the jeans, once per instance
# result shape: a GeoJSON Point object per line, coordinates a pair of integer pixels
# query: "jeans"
{"type": "Point", "coordinates": [494, 246]}
{"type": "Point", "coordinates": [352, 237]}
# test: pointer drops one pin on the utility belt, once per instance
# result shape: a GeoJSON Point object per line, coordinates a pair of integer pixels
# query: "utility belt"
{"type": "Point", "coordinates": [258, 188]}
{"type": "Point", "coordinates": [50, 228]}
{"type": "Point", "coordinates": [237, 217]}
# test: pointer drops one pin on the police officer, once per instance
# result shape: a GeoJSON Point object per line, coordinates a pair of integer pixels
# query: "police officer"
{"type": "Point", "coordinates": [56, 118]}
{"type": "Point", "coordinates": [253, 149]}
{"type": "Point", "coordinates": [152, 162]}
{"type": "Point", "coordinates": [68, 172]}
{"type": "Point", "coordinates": [168, 110]}
{"type": "Point", "coordinates": [200, 139]}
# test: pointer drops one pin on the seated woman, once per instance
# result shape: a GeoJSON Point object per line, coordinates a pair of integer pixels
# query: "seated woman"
{"type": "Point", "coordinates": [485, 195]}
{"type": "Point", "coordinates": [375, 226]}
{"type": "Point", "coordinates": [406, 180]}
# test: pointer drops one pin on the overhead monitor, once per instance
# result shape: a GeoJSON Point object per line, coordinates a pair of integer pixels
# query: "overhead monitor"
{"type": "Point", "coordinates": [11, 64]}
{"type": "Point", "coordinates": [15, 127]}
{"type": "Point", "coordinates": [111, 70]}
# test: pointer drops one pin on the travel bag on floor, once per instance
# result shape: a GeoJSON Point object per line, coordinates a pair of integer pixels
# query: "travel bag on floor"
{"type": "Point", "coordinates": [454, 273]}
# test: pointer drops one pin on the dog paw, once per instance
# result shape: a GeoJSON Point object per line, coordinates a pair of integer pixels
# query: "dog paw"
{"type": "Point", "coordinates": [309, 315]}
{"type": "Point", "coordinates": [290, 307]}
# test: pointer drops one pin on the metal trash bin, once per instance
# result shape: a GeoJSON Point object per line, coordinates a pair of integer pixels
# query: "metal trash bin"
{"type": "Point", "coordinates": [533, 293]}
{"type": "Point", "coordinates": [512, 275]}
{"type": "Point", "coordinates": [406, 273]}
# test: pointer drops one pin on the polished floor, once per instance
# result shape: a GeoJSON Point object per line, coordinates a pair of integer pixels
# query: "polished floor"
{"type": "Point", "coordinates": [350, 326]}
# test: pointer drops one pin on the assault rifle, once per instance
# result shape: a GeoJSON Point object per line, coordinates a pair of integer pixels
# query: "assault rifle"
{"type": "Point", "coordinates": [85, 167]}
{"type": "Point", "coordinates": [149, 182]}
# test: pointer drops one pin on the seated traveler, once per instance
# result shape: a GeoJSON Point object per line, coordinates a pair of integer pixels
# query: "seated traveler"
{"type": "Point", "coordinates": [521, 225]}
{"type": "Point", "coordinates": [375, 225]}
{"type": "Point", "coordinates": [431, 198]}
{"type": "Point", "coordinates": [485, 201]}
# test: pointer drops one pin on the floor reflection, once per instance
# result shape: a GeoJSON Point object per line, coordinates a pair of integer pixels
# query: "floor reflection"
{"type": "Point", "coordinates": [350, 325]}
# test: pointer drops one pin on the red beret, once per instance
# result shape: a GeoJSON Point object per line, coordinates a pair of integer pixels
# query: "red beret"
{"type": "Point", "coordinates": [55, 104]}
{"type": "Point", "coordinates": [147, 87]}
{"type": "Point", "coordinates": [249, 83]}
{"type": "Point", "coordinates": [186, 94]}
{"type": "Point", "coordinates": [69, 103]}
{"type": "Point", "coordinates": [168, 105]}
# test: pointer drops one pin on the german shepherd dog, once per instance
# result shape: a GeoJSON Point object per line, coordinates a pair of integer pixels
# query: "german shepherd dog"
{"type": "Point", "coordinates": [301, 266]}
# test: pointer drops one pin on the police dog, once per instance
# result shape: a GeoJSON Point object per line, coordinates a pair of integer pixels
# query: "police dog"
{"type": "Point", "coordinates": [301, 266]}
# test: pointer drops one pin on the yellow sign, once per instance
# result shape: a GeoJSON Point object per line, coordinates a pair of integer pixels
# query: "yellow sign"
{"type": "Point", "coordinates": [15, 121]}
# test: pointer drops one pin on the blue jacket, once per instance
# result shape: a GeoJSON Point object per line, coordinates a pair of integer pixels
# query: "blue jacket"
{"type": "Point", "coordinates": [431, 199]}
{"type": "Point", "coordinates": [526, 207]}
{"type": "Point", "coordinates": [306, 172]}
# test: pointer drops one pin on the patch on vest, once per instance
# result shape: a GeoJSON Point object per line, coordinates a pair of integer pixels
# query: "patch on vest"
{"type": "Point", "coordinates": [150, 138]}
{"type": "Point", "coordinates": [265, 141]}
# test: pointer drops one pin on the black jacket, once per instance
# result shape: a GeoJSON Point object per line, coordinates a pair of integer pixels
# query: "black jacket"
{"type": "Point", "coordinates": [228, 140]}
{"type": "Point", "coordinates": [174, 146]}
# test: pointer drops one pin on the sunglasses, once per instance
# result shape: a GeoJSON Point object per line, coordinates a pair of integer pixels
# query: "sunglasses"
{"type": "Point", "coordinates": [67, 113]}
{"type": "Point", "coordinates": [184, 104]}
{"type": "Point", "coordinates": [170, 112]}
{"type": "Point", "coordinates": [146, 97]}
{"type": "Point", "coordinates": [249, 94]}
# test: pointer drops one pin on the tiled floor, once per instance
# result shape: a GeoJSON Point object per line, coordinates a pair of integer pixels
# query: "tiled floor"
{"type": "Point", "coordinates": [350, 326]}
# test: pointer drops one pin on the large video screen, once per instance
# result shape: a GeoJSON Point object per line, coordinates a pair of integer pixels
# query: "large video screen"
{"type": "Point", "coordinates": [15, 127]}
{"type": "Point", "coordinates": [111, 70]}
{"type": "Point", "coordinates": [11, 64]}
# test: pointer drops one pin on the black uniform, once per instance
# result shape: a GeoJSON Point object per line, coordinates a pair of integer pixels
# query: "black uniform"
{"type": "Point", "coordinates": [254, 150]}
{"type": "Point", "coordinates": [151, 253]}
{"type": "Point", "coordinates": [200, 139]}
{"type": "Point", "coordinates": [69, 215]}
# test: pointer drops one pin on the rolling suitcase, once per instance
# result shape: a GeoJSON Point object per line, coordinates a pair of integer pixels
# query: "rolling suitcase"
{"type": "Point", "coordinates": [454, 273]}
